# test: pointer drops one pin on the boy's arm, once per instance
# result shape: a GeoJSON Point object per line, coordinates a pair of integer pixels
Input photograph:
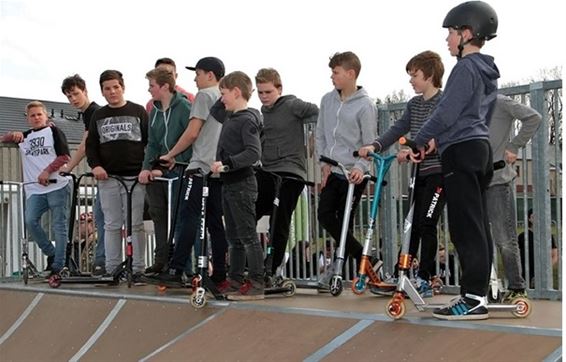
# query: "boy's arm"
{"type": "Point", "coordinates": [92, 144]}
{"type": "Point", "coordinates": [305, 111]}
{"type": "Point", "coordinates": [530, 122]}
{"type": "Point", "coordinates": [368, 129]}
{"type": "Point", "coordinates": [252, 148]}
{"type": "Point", "coordinates": [401, 127]}
{"type": "Point", "coordinates": [188, 137]}
{"type": "Point", "coordinates": [62, 152]}
{"type": "Point", "coordinates": [152, 149]}
{"type": "Point", "coordinates": [454, 99]}
{"type": "Point", "coordinates": [320, 137]}
{"type": "Point", "coordinates": [13, 137]}
{"type": "Point", "coordinates": [77, 156]}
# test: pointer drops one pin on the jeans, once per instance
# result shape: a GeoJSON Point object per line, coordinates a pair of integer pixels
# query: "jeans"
{"type": "Point", "coordinates": [114, 204]}
{"type": "Point", "coordinates": [58, 202]}
{"type": "Point", "coordinates": [99, 256]}
{"type": "Point", "coordinates": [501, 210]}
{"type": "Point", "coordinates": [468, 168]}
{"type": "Point", "coordinates": [238, 203]}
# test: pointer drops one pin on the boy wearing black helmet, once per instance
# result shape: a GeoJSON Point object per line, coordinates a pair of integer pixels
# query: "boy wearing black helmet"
{"type": "Point", "coordinates": [460, 126]}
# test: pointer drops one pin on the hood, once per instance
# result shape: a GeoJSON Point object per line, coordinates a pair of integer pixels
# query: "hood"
{"type": "Point", "coordinates": [278, 103]}
{"type": "Point", "coordinates": [175, 99]}
{"type": "Point", "coordinates": [255, 115]}
{"type": "Point", "coordinates": [487, 69]}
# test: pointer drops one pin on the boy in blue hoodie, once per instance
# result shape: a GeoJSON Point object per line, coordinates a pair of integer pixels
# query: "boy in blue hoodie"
{"type": "Point", "coordinates": [460, 126]}
{"type": "Point", "coordinates": [347, 120]}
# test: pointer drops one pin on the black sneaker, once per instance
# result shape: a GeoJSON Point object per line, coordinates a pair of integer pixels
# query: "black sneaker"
{"type": "Point", "coordinates": [468, 307]}
{"type": "Point", "coordinates": [99, 270]}
{"type": "Point", "coordinates": [138, 279]}
{"type": "Point", "coordinates": [155, 269]}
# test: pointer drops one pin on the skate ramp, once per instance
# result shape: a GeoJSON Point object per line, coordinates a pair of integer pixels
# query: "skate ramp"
{"type": "Point", "coordinates": [104, 324]}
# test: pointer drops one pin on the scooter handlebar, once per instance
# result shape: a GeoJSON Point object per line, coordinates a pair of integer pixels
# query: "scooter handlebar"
{"type": "Point", "coordinates": [328, 161]}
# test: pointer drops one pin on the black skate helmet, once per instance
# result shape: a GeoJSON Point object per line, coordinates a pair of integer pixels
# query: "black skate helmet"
{"type": "Point", "coordinates": [477, 15]}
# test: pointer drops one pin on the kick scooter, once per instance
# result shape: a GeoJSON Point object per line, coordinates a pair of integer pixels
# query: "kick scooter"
{"type": "Point", "coordinates": [29, 270]}
{"type": "Point", "coordinates": [367, 274]}
{"type": "Point", "coordinates": [335, 285]}
{"type": "Point", "coordinates": [395, 308]}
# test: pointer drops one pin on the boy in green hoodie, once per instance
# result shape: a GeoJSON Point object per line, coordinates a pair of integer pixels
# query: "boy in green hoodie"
{"type": "Point", "coordinates": [167, 121]}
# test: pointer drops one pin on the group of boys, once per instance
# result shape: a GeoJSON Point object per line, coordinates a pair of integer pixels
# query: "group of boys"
{"type": "Point", "coordinates": [219, 134]}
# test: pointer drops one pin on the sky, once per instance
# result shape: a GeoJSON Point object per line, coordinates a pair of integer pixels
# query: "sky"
{"type": "Point", "coordinates": [42, 42]}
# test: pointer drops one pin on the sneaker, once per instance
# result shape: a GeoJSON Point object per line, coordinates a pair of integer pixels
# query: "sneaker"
{"type": "Point", "coordinates": [514, 294]}
{"type": "Point", "coordinates": [155, 269]}
{"type": "Point", "coordinates": [424, 288]}
{"type": "Point", "coordinates": [250, 290]}
{"type": "Point", "coordinates": [99, 270]}
{"type": "Point", "coordinates": [324, 281]}
{"type": "Point", "coordinates": [228, 286]}
{"type": "Point", "coordinates": [50, 260]}
{"type": "Point", "coordinates": [138, 279]}
{"type": "Point", "coordinates": [468, 307]}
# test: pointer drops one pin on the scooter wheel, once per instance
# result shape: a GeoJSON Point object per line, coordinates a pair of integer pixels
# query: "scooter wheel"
{"type": "Point", "coordinates": [359, 286]}
{"type": "Point", "coordinates": [336, 286]}
{"type": "Point", "coordinates": [290, 286]}
{"type": "Point", "coordinates": [54, 281]}
{"type": "Point", "coordinates": [395, 309]}
{"type": "Point", "coordinates": [65, 273]}
{"type": "Point", "coordinates": [523, 307]}
{"type": "Point", "coordinates": [197, 301]}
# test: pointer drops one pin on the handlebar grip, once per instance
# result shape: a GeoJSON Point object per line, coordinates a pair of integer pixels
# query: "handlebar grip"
{"type": "Point", "coordinates": [52, 181]}
{"type": "Point", "coordinates": [409, 143]}
{"type": "Point", "coordinates": [88, 174]}
{"type": "Point", "coordinates": [192, 171]}
{"type": "Point", "coordinates": [498, 165]}
{"type": "Point", "coordinates": [66, 174]}
{"type": "Point", "coordinates": [328, 161]}
{"type": "Point", "coordinates": [355, 154]}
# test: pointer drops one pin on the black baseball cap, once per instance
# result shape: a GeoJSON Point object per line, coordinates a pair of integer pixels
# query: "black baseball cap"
{"type": "Point", "coordinates": [210, 64]}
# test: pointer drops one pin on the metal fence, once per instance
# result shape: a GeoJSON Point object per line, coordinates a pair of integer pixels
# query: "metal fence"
{"type": "Point", "coordinates": [538, 186]}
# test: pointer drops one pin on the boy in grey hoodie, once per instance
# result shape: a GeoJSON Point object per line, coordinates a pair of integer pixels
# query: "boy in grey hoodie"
{"type": "Point", "coordinates": [283, 153]}
{"type": "Point", "coordinates": [460, 126]}
{"type": "Point", "coordinates": [347, 120]}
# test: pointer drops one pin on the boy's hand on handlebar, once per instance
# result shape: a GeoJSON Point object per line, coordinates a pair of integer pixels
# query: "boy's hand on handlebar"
{"type": "Point", "coordinates": [145, 177]}
{"type": "Point", "coordinates": [403, 155]}
{"type": "Point", "coordinates": [43, 178]}
{"type": "Point", "coordinates": [417, 157]}
{"type": "Point", "coordinates": [99, 173]}
{"type": "Point", "coordinates": [356, 176]}
{"type": "Point", "coordinates": [365, 150]}
{"type": "Point", "coordinates": [216, 167]}
{"type": "Point", "coordinates": [510, 157]}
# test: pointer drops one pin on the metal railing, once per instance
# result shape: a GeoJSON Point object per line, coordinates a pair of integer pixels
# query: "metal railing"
{"type": "Point", "coordinates": [538, 186]}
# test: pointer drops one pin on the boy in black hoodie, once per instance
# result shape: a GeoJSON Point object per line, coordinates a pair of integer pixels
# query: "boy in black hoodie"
{"type": "Point", "coordinates": [239, 148]}
{"type": "Point", "coordinates": [460, 126]}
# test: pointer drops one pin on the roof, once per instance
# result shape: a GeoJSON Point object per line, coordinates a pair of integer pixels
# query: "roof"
{"type": "Point", "coordinates": [65, 116]}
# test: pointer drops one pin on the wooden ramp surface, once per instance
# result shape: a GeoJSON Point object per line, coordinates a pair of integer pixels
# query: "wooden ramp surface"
{"type": "Point", "coordinates": [117, 324]}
